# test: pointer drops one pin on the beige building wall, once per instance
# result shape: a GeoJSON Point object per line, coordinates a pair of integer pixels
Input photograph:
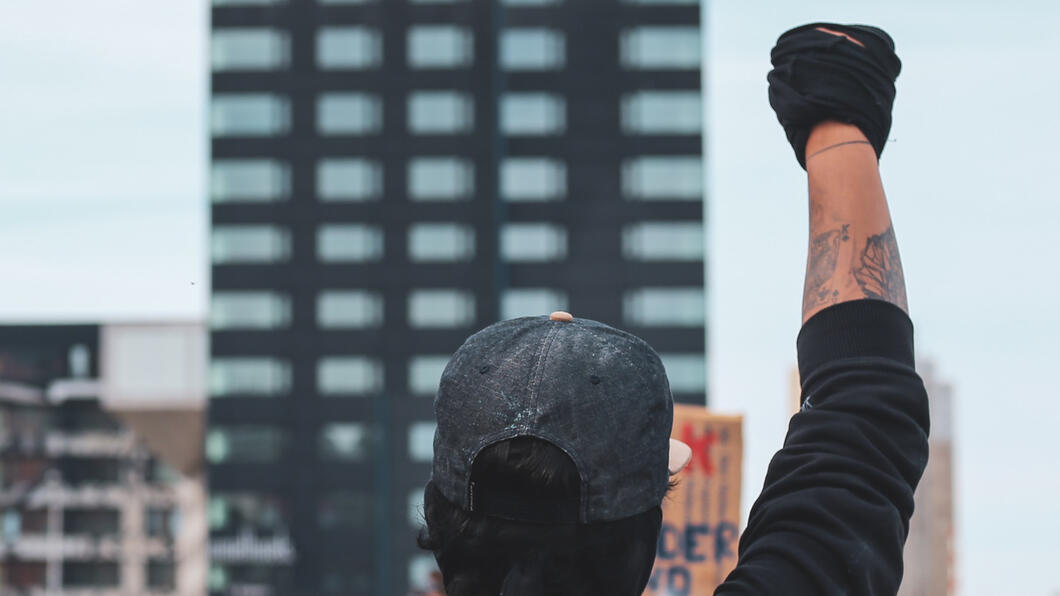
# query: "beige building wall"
{"type": "Point", "coordinates": [929, 554]}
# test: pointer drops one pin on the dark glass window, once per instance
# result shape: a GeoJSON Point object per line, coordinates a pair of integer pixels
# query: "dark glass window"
{"type": "Point", "coordinates": [91, 574]}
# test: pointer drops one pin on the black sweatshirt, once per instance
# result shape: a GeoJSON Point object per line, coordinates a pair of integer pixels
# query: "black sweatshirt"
{"type": "Point", "coordinates": [834, 512]}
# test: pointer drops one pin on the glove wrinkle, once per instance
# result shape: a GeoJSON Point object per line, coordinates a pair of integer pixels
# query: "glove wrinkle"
{"type": "Point", "coordinates": [818, 76]}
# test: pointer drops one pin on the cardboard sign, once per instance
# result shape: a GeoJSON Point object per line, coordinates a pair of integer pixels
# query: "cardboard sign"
{"type": "Point", "coordinates": [701, 515]}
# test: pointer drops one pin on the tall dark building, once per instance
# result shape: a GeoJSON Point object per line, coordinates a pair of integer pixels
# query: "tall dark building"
{"type": "Point", "coordinates": [389, 176]}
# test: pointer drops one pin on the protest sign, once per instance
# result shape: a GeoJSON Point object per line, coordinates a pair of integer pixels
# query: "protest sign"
{"type": "Point", "coordinates": [701, 515]}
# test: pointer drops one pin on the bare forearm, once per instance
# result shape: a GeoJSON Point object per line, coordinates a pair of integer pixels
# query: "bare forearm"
{"type": "Point", "coordinates": [853, 253]}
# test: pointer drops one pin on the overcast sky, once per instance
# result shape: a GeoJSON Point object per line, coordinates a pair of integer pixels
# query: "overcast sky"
{"type": "Point", "coordinates": [103, 216]}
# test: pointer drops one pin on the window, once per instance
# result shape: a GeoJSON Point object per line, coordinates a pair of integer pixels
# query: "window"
{"type": "Point", "coordinates": [663, 178]}
{"type": "Point", "coordinates": [353, 309]}
{"type": "Point", "coordinates": [531, 302]}
{"type": "Point", "coordinates": [161, 522]}
{"type": "Point", "coordinates": [90, 574]}
{"type": "Point", "coordinates": [440, 179]}
{"type": "Point", "coordinates": [422, 570]}
{"type": "Point", "coordinates": [78, 358]}
{"type": "Point", "coordinates": [161, 574]}
{"type": "Point", "coordinates": [228, 578]}
{"type": "Point", "coordinates": [249, 49]}
{"type": "Point", "coordinates": [441, 308]}
{"type": "Point", "coordinates": [249, 310]}
{"type": "Point", "coordinates": [425, 372]}
{"type": "Point", "coordinates": [530, 2]}
{"type": "Point", "coordinates": [349, 375]}
{"type": "Point", "coordinates": [662, 112]}
{"type": "Point", "coordinates": [421, 442]}
{"type": "Point", "coordinates": [91, 522]}
{"type": "Point", "coordinates": [533, 242]}
{"type": "Point", "coordinates": [415, 508]}
{"type": "Point", "coordinates": [337, 243]}
{"type": "Point", "coordinates": [661, 47]}
{"type": "Point", "coordinates": [687, 373]}
{"type": "Point", "coordinates": [441, 242]}
{"type": "Point", "coordinates": [664, 307]}
{"type": "Point", "coordinates": [248, 375]}
{"type": "Point", "coordinates": [239, 513]}
{"type": "Point", "coordinates": [349, 48]}
{"type": "Point", "coordinates": [440, 112]}
{"type": "Point", "coordinates": [533, 179]}
{"type": "Point", "coordinates": [244, 444]}
{"type": "Point", "coordinates": [249, 180]}
{"type": "Point", "coordinates": [344, 509]}
{"type": "Point", "coordinates": [348, 114]}
{"type": "Point", "coordinates": [532, 49]}
{"type": "Point", "coordinates": [532, 114]}
{"type": "Point", "coordinates": [439, 46]}
{"type": "Point", "coordinates": [345, 1]}
{"type": "Point", "coordinates": [249, 244]}
{"type": "Point", "coordinates": [435, 1]}
{"type": "Point", "coordinates": [663, 241]}
{"type": "Point", "coordinates": [249, 115]}
{"type": "Point", "coordinates": [349, 179]}
{"type": "Point", "coordinates": [344, 441]}
{"type": "Point", "coordinates": [339, 578]}
{"type": "Point", "coordinates": [91, 471]}
{"type": "Point", "coordinates": [12, 525]}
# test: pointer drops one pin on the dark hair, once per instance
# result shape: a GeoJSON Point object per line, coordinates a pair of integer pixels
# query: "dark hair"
{"type": "Point", "coordinates": [485, 556]}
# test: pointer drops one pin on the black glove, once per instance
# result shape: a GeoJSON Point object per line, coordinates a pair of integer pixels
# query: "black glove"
{"type": "Point", "coordinates": [819, 76]}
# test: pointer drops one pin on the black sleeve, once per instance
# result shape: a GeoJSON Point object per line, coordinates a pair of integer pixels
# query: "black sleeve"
{"type": "Point", "coordinates": [834, 512]}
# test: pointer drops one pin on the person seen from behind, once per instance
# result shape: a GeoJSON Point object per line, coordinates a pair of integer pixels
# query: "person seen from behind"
{"type": "Point", "coordinates": [552, 451]}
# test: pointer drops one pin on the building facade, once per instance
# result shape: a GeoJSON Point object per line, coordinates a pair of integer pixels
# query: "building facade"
{"type": "Point", "coordinates": [930, 558]}
{"type": "Point", "coordinates": [389, 176]}
{"type": "Point", "coordinates": [86, 507]}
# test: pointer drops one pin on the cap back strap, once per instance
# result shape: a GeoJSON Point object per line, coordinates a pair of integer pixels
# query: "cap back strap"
{"type": "Point", "coordinates": [521, 507]}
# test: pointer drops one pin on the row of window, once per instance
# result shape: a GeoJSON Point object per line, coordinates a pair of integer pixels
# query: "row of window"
{"type": "Point", "coordinates": [444, 308]}
{"type": "Point", "coordinates": [448, 178]}
{"type": "Point", "coordinates": [159, 575]}
{"type": "Point", "coordinates": [263, 516]}
{"type": "Point", "coordinates": [440, 178]}
{"type": "Point", "coordinates": [363, 243]}
{"type": "Point", "coordinates": [360, 309]}
{"type": "Point", "coordinates": [361, 375]}
{"type": "Point", "coordinates": [336, 441]}
{"type": "Point", "coordinates": [505, 2]}
{"type": "Point", "coordinates": [447, 46]}
{"type": "Point", "coordinates": [447, 242]}
{"type": "Point", "coordinates": [334, 580]}
{"type": "Point", "coordinates": [449, 112]}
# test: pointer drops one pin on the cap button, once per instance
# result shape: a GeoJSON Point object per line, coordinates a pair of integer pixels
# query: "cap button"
{"type": "Point", "coordinates": [559, 315]}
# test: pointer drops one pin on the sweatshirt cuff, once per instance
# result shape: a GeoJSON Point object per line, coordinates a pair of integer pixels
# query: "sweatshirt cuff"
{"type": "Point", "coordinates": [858, 328]}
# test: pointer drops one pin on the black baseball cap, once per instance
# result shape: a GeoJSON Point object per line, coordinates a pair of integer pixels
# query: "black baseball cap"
{"type": "Point", "coordinates": [597, 393]}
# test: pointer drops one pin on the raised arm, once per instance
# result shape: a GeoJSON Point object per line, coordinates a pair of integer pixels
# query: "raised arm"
{"type": "Point", "coordinates": [834, 512]}
{"type": "Point", "coordinates": [853, 253]}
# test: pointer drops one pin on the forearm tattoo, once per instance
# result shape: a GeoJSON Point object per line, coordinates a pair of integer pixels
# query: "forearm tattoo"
{"type": "Point", "coordinates": [879, 272]}
{"type": "Point", "coordinates": [835, 272]}
{"type": "Point", "coordinates": [821, 267]}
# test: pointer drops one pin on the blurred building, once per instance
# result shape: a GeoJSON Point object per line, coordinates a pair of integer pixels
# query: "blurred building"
{"type": "Point", "coordinates": [930, 568]}
{"type": "Point", "coordinates": [86, 506]}
{"type": "Point", "coordinates": [389, 176]}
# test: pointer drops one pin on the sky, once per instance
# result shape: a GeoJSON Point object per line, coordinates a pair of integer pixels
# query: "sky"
{"type": "Point", "coordinates": [103, 216]}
